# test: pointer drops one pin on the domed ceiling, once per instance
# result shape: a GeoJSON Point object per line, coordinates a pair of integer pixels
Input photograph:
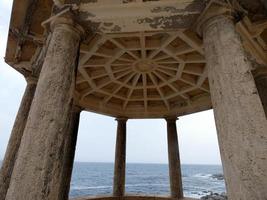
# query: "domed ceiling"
{"type": "Point", "coordinates": [144, 74]}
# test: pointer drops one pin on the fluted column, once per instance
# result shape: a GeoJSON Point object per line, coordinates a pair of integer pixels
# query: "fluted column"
{"type": "Point", "coordinates": [260, 76]}
{"type": "Point", "coordinates": [240, 119]}
{"type": "Point", "coordinates": [40, 162]}
{"type": "Point", "coordinates": [15, 137]}
{"type": "Point", "coordinates": [175, 176]}
{"type": "Point", "coordinates": [120, 157]}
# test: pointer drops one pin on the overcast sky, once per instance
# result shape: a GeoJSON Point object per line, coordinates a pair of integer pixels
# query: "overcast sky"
{"type": "Point", "coordinates": [146, 139]}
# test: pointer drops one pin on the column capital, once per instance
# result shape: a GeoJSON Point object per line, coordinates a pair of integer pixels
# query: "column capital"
{"type": "Point", "coordinates": [31, 80]}
{"type": "Point", "coordinates": [121, 119]}
{"type": "Point", "coordinates": [215, 10]}
{"type": "Point", "coordinates": [65, 19]}
{"type": "Point", "coordinates": [171, 119]}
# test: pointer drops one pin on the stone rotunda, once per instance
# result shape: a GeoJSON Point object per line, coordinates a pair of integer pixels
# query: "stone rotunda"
{"type": "Point", "coordinates": [136, 59]}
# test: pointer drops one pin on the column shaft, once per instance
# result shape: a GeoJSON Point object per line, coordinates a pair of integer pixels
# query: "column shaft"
{"type": "Point", "coordinates": [261, 83]}
{"type": "Point", "coordinates": [69, 153]}
{"type": "Point", "coordinates": [174, 160]}
{"type": "Point", "coordinates": [15, 138]}
{"type": "Point", "coordinates": [239, 114]}
{"type": "Point", "coordinates": [40, 160]}
{"type": "Point", "coordinates": [120, 156]}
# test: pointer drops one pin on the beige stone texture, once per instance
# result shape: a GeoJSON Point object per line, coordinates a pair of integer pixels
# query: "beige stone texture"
{"type": "Point", "coordinates": [176, 185]}
{"type": "Point", "coordinates": [239, 114]}
{"type": "Point", "coordinates": [261, 83]}
{"type": "Point", "coordinates": [69, 153]}
{"type": "Point", "coordinates": [39, 166]}
{"type": "Point", "coordinates": [120, 157]}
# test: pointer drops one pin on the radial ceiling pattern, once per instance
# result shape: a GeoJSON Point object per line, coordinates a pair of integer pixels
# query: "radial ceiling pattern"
{"type": "Point", "coordinates": [141, 75]}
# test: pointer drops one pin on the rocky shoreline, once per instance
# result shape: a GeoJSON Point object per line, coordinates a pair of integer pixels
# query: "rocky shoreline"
{"type": "Point", "coordinates": [215, 196]}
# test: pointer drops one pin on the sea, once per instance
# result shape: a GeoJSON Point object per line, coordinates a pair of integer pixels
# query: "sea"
{"type": "Point", "coordinates": [94, 179]}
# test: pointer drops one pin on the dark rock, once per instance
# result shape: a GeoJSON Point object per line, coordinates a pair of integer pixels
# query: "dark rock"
{"type": "Point", "coordinates": [219, 177]}
{"type": "Point", "coordinates": [215, 196]}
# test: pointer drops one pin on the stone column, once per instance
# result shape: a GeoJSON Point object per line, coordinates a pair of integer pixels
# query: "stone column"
{"type": "Point", "coordinates": [260, 76]}
{"type": "Point", "coordinates": [239, 114]}
{"type": "Point", "coordinates": [120, 156]}
{"type": "Point", "coordinates": [38, 170]}
{"type": "Point", "coordinates": [69, 152]}
{"type": "Point", "coordinates": [175, 176]}
{"type": "Point", "coordinates": [15, 137]}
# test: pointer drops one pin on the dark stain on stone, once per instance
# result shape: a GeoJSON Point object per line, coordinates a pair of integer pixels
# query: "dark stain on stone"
{"type": "Point", "coordinates": [94, 26]}
{"type": "Point", "coordinates": [196, 6]}
{"type": "Point", "coordinates": [108, 24]}
{"type": "Point", "coordinates": [166, 9]}
{"type": "Point", "coordinates": [84, 15]}
{"type": "Point", "coordinates": [57, 9]}
{"type": "Point", "coordinates": [77, 2]}
{"type": "Point", "coordinates": [88, 1]}
{"type": "Point", "coordinates": [116, 28]}
{"type": "Point", "coordinates": [175, 21]}
{"type": "Point", "coordinates": [170, 22]}
{"type": "Point", "coordinates": [111, 28]}
{"type": "Point", "coordinates": [90, 25]}
{"type": "Point", "coordinates": [128, 1]}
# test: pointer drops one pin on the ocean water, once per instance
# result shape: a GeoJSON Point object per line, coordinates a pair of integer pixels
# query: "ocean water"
{"type": "Point", "coordinates": [148, 179]}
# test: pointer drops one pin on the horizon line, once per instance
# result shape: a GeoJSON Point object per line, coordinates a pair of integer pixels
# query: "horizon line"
{"type": "Point", "coordinates": [110, 162]}
{"type": "Point", "coordinates": [156, 163]}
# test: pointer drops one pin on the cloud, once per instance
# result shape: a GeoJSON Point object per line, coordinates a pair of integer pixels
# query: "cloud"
{"type": "Point", "coordinates": [12, 83]}
{"type": "Point", "coordinates": [5, 7]}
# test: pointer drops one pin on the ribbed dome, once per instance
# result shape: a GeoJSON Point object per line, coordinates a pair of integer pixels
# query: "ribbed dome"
{"type": "Point", "coordinates": [143, 74]}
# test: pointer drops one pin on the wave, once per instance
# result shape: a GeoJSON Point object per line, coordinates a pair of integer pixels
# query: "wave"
{"type": "Point", "coordinates": [144, 184]}
{"type": "Point", "coordinates": [202, 175]}
{"type": "Point", "coordinates": [77, 187]}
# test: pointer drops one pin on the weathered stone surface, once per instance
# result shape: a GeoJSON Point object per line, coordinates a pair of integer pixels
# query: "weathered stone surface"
{"type": "Point", "coordinates": [120, 157]}
{"type": "Point", "coordinates": [261, 83]}
{"type": "Point", "coordinates": [69, 153]}
{"type": "Point", "coordinates": [174, 160]}
{"type": "Point", "coordinates": [239, 114]}
{"type": "Point", "coordinates": [15, 138]}
{"type": "Point", "coordinates": [38, 170]}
